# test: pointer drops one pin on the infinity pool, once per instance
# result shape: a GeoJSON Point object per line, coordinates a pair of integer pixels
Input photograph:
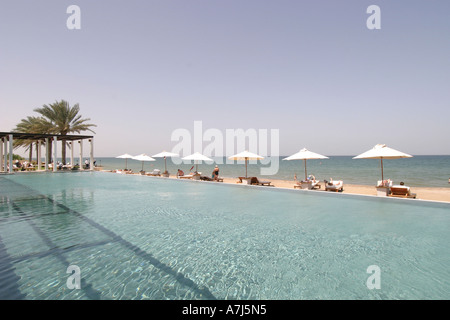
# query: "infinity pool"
{"type": "Point", "coordinates": [139, 237]}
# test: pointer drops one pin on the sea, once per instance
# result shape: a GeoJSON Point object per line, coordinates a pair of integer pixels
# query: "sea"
{"type": "Point", "coordinates": [418, 171]}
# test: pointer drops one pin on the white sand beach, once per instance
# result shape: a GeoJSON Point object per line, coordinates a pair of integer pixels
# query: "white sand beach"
{"type": "Point", "coordinates": [423, 193]}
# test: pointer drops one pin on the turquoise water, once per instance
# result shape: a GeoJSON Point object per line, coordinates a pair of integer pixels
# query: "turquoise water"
{"type": "Point", "coordinates": [140, 237]}
{"type": "Point", "coordinates": [419, 171]}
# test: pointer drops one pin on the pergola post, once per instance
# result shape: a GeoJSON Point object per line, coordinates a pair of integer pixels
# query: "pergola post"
{"type": "Point", "coordinates": [10, 153]}
{"type": "Point", "coordinates": [81, 154]}
{"type": "Point", "coordinates": [91, 163]}
{"type": "Point", "coordinates": [1, 155]}
{"type": "Point", "coordinates": [71, 153]}
{"type": "Point", "coordinates": [55, 153]}
{"type": "Point", "coordinates": [46, 154]}
{"type": "Point", "coordinates": [39, 162]}
{"type": "Point", "coordinates": [5, 154]}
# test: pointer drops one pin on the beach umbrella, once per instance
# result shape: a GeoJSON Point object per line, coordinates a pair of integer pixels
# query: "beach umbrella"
{"type": "Point", "coordinates": [197, 157]}
{"type": "Point", "coordinates": [245, 155]}
{"type": "Point", "coordinates": [381, 151]}
{"type": "Point", "coordinates": [165, 155]}
{"type": "Point", "coordinates": [125, 156]}
{"type": "Point", "coordinates": [143, 157]}
{"type": "Point", "coordinates": [304, 155]}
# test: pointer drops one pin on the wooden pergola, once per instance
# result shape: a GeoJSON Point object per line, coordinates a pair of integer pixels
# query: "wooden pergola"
{"type": "Point", "coordinates": [7, 139]}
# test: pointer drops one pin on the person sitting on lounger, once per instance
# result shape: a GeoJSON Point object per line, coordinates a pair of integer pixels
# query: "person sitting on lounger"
{"type": "Point", "coordinates": [180, 173]}
{"type": "Point", "coordinates": [215, 173]}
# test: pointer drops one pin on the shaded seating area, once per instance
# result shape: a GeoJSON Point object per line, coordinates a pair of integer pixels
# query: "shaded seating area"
{"type": "Point", "coordinates": [401, 192]}
{"type": "Point", "coordinates": [334, 185]}
{"type": "Point", "coordinates": [38, 140]}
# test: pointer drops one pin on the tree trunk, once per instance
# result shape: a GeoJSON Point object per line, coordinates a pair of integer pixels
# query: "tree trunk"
{"type": "Point", "coordinates": [31, 153]}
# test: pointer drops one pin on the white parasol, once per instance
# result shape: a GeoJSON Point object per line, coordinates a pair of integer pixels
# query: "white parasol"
{"type": "Point", "coordinates": [381, 151]}
{"type": "Point", "coordinates": [197, 157]}
{"type": "Point", "coordinates": [304, 155]}
{"type": "Point", "coordinates": [125, 156]}
{"type": "Point", "coordinates": [246, 155]}
{"type": "Point", "coordinates": [165, 155]}
{"type": "Point", "coordinates": [143, 157]}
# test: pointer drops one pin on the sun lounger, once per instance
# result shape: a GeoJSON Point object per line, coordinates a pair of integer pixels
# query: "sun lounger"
{"type": "Point", "coordinates": [124, 171]}
{"type": "Point", "coordinates": [310, 185]}
{"type": "Point", "coordinates": [205, 178]}
{"type": "Point", "coordinates": [188, 176]}
{"type": "Point", "coordinates": [246, 180]}
{"type": "Point", "coordinates": [155, 173]}
{"type": "Point", "coordinates": [337, 185]}
{"type": "Point", "coordinates": [401, 192]}
{"type": "Point", "coordinates": [191, 175]}
{"type": "Point", "coordinates": [256, 181]}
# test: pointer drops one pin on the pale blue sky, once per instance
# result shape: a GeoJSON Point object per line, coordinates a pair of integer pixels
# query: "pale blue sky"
{"type": "Point", "coordinates": [312, 69]}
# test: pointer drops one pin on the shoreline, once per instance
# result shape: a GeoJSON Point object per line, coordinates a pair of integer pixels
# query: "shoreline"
{"type": "Point", "coordinates": [423, 193]}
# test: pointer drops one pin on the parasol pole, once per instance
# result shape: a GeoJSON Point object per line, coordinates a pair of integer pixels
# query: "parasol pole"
{"type": "Point", "coordinates": [245, 168]}
{"type": "Point", "coordinates": [305, 168]}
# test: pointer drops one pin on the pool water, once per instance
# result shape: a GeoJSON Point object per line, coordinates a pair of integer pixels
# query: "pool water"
{"type": "Point", "coordinates": [140, 237]}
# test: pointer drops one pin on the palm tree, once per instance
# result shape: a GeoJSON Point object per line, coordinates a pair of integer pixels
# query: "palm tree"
{"type": "Point", "coordinates": [64, 119]}
{"type": "Point", "coordinates": [31, 125]}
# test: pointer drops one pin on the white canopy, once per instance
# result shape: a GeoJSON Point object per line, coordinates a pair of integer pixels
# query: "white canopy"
{"type": "Point", "coordinates": [246, 155]}
{"type": "Point", "coordinates": [165, 154]}
{"type": "Point", "coordinates": [381, 151]}
{"type": "Point", "coordinates": [125, 156]}
{"type": "Point", "coordinates": [143, 157]}
{"type": "Point", "coordinates": [305, 154]}
{"type": "Point", "coordinates": [197, 157]}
